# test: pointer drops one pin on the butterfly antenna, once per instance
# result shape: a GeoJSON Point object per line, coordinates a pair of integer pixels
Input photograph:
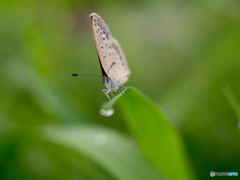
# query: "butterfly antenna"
{"type": "Point", "coordinates": [86, 75]}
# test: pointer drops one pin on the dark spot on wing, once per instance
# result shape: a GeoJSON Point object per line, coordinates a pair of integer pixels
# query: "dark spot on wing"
{"type": "Point", "coordinates": [116, 48]}
{"type": "Point", "coordinates": [96, 31]}
{"type": "Point", "coordinates": [112, 64]}
{"type": "Point", "coordinates": [102, 47]}
{"type": "Point", "coordinates": [103, 38]}
{"type": "Point", "coordinates": [107, 34]}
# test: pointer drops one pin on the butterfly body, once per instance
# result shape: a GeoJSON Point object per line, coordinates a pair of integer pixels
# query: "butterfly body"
{"type": "Point", "coordinates": [112, 85]}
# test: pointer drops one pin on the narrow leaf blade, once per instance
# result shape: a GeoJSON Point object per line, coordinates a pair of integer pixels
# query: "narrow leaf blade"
{"type": "Point", "coordinates": [157, 138]}
{"type": "Point", "coordinates": [115, 152]}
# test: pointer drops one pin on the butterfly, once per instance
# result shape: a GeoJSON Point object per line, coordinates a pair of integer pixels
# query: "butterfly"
{"type": "Point", "coordinates": [114, 67]}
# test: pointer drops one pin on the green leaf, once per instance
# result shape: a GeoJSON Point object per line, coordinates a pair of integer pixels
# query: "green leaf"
{"type": "Point", "coordinates": [157, 138]}
{"type": "Point", "coordinates": [115, 152]}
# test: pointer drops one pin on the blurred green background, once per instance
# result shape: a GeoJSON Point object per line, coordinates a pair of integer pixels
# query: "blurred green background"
{"type": "Point", "coordinates": [184, 55]}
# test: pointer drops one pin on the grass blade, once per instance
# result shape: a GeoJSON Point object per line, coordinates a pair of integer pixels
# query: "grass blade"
{"type": "Point", "coordinates": [115, 152]}
{"type": "Point", "coordinates": [157, 138]}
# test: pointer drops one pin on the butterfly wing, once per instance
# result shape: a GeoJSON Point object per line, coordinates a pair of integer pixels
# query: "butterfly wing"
{"type": "Point", "coordinates": [102, 35]}
{"type": "Point", "coordinates": [118, 69]}
{"type": "Point", "coordinates": [110, 54]}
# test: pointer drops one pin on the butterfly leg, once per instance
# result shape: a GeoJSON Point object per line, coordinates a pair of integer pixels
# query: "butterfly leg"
{"type": "Point", "coordinates": [106, 91]}
{"type": "Point", "coordinates": [122, 89]}
{"type": "Point", "coordinates": [111, 93]}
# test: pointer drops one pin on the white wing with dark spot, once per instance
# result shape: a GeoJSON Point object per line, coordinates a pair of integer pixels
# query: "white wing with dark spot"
{"type": "Point", "coordinates": [109, 51]}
